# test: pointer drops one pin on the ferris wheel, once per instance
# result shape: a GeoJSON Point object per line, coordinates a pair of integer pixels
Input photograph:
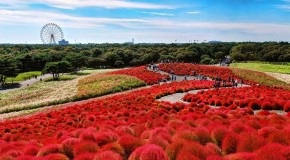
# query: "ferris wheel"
{"type": "Point", "coordinates": [51, 34]}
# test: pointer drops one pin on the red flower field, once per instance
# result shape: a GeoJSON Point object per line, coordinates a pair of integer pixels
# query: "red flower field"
{"type": "Point", "coordinates": [248, 76]}
{"type": "Point", "coordinates": [136, 126]}
{"type": "Point", "coordinates": [142, 73]}
{"type": "Point", "coordinates": [253, 97]}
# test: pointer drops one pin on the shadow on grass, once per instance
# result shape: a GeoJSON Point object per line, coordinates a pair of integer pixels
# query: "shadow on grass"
{"type": "Point", "coordinates": [10, 86]}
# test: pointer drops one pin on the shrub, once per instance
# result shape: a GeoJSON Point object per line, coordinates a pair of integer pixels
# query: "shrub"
{"type": "Point", "coordinates": [267, 131]}
{"type": "Point", "coordinates": [149, 152]}
{"type": "Point", "coordinates": [202, 135]}
{"type": "Point", "coordinates": [103, 138]}
{"type": "Point", "coordinates": [85, 156]}
{"type": "Point", "coordinates": [129, 143]}
{"type": "Point", "coordinates": [250, 142]}
{"type": "Point", "coordinates": [281, 137]}
{"type": "Point", "coordinates": [192, 150]}
{"type": "Point", "coordinates": [24, 157]}
{"type": "Point", "coordinates": [238, 127]}
{"type": "Point", "coordinates": [68, 145]}
{"type": "Point", "coordinates": [287, 107]}
{"type": "Point", "coordinates": [56, 156]}
{"type": "Point", "coordinates": [214, 157]}
{"type": "Point", "coordinates": [266, 105]}
{"type": "Point", "coordinates": [242, 156]}
{"type": "Point", "coordinates": [31, 150]}
{"type": "Point", "coordinates": [212, 147]}
{"type": "Point", "coordinates": [157, 140]}
{"type": "Point", "coordinates": [218, 102]}
{"type": "Point", "coordinates": [87, 135]}
{"type": "Point", "coordinates": [277, 105]}
{"type": "Point", "coordinates": [187, 135]}
{"type": "Point", "coordinates": [230, 143]}
{"type": "Point", "coordinates": [273, 151]}
{"type": "Point", "coordinates": [254, 105]}
{"type": "Point", "coordinates": [174, 148]}
{"type": "Point", "coordinates": [107, 155]}
{"type": "Point", "coordinates": [116, 147]}
{"type": "Point", "coordinates": [49, 149]}
{"type": "Point", "coordinates": [85, 147]}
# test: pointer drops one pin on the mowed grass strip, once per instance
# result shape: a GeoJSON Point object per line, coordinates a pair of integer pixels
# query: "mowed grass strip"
{"type": "Point", "coordinates": [260, 78]}
{"type": "Point", "coordinates": [263, 67]}
{"type": "Point", "coordinates": [24, 76]}
{"type": "Point", "coordinates": [101, 84]}
{"type": "Point", "coordinates": [48, 93]}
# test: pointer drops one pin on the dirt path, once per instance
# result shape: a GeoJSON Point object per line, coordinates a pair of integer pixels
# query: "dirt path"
{"type": "Point", "coordinates": [177, 97]}
{"type": "Point", "coordinates": [27, 83]}
{"type": "Point", "coordinates": [280, 76]}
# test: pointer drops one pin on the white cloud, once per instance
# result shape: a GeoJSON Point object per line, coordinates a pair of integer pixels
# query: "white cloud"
{"type": "Point", "coordinates": [193, 12]}
{"type": "Point", "coordinates": [284, 7]}
{"type": "Point", "coordinates": [160, 28]}
{"type": "Point", "coordinates": [159, 13]}
{"type": "Point", "coordinates": [72, 4]}
{"type": "Point", "coordinates": [39, 18]}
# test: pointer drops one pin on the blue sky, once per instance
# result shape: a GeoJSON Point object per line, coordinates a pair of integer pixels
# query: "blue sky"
{"type": "Point", "coordinates": [99, 21]}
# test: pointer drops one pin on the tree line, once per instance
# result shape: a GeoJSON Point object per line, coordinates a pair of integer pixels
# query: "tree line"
{"type": "Point", "coordinates": [23, 58]}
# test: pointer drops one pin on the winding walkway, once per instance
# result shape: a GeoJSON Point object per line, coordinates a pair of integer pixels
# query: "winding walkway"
{"type": "Point", "coordinates": [26, 83]}
{"type": "Point", "coordinates": [177, 97]}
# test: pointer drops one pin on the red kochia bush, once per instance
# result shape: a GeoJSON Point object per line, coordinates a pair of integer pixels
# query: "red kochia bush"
{"type": "Point", "coordinates": [250, 142]}
{"type": "Point", "coordinates": [103, 138]}
{"type": "Point", "coordinates": [202, 135]}
{"type": "Point", "coordinates": [31, 150]}
{"type": "Point", "coordinates": [129, 143]}
{"type": "Point", "coordinates": [49, 149]}
{"type": "Point", "coordinates": [241, 156]}
{"type": "Point", "coordinates": [230, 143]}
{"type": "Point", "coordinates": [68, 145]}
{"type": "Point", "coordinates": [218, 134]}
{"type": "Point", "coordinates": [287, 107]}
{"type": "Point", "coordinates": [149, 152]}
{"type": "Point", "coordinates": [266, 105]}
{"type": "Point", "coordinates": [254, 105]}
{"type": "Point", "coordinates": [193, 150]}
{"type": "Point", "coordinates": [116, 147]}
{"type": "Point", "coordinates": [85, 147]}
{"type": "Point", "coordinates": [107, 155]}
{"type": "Point", "coordinates": [174, 148]}
{"type": "Point", "coordinates": [273, 151]}
{"type": "Point", "coordinates": [56, 156]}
{"type": "Point", "coordinates": [85, 156]}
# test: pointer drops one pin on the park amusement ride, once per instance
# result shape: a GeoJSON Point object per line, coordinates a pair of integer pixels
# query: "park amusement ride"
{"type": "Point", "coordinates": [52, 34]}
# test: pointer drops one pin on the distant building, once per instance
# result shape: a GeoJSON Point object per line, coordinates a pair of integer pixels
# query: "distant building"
{"type": "Point", "coordinates": [130, 42]}
{"type": "Point", "coordinates": [63, 42]}
{"type": "Point", "coordinates": [215, 42]}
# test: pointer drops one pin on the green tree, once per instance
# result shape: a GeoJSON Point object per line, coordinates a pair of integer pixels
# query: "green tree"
{"type": "Point", "coordinates": [95, 62]}
{"type": "Point", "coordinates": [119, 63]}
{"type": "Point", "coordinates": [8, 68]}
{"type": "Point", "coordinates": [96, 52]}
{"type": "Point", "coordinates": [76, 60]}
{"type": "Point", "coordinates": [56, 68]}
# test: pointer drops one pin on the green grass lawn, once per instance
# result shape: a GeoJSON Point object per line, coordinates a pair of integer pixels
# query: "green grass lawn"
{"type": "Point", "coordinates": [68, 88]}
{"type": "Point", "coordinates": [24, 76]}
{"type": "Point", "coordinates": [263, 67]}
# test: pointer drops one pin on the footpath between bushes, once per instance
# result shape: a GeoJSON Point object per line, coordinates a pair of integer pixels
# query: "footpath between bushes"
{"type": "Point", "coordinates": [177, 97]}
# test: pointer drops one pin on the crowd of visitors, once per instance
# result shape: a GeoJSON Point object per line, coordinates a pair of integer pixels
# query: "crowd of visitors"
{"type": "Point", "coordinates": [219, 82]}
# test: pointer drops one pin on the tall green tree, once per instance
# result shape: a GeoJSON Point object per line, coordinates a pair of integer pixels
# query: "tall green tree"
{"type": "Point", "coordinates": [8, 68]}
{"type": "Point", "coordinates": [56, 68]}
{"type": "Point", "coordinates": [76, 60]}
